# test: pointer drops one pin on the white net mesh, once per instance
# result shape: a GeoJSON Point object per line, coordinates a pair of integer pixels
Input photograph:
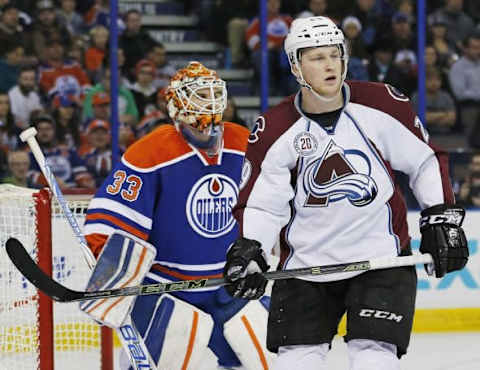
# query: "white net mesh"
{"type": "Point", "coordinates": [76, 337]}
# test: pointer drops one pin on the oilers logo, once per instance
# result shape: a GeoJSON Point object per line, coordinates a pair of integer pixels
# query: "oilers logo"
{"type": "Point", "coordinates": [60, 166]}
{"type": "Point", "coordinates": [334, 177]}
{"type": "Point", "coordinates": [209, 205]}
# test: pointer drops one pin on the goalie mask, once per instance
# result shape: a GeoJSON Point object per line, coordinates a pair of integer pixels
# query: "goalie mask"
{"type": "Point", "coordinates": [313, 32]}
{"type": "Point", "coordinates": [196, 99]}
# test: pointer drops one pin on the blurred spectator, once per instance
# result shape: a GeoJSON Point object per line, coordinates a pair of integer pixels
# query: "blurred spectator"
{"type": "Point", "coordinates": [158, 116]}
{"type": "Point", "coordinates": [95, 54]}
{"type": "Point", "coordinates": [352, 29]}
{"type": "Point", "coordinates": [66, 113]}
{"type": "Point", "coordinates": [406, 61]}
{"type": "Point", "coordinates": [69, 169]}
{"type": "Point", "coordinates": [431, 61]}
{"type": "Point", "coordinates": [97, 13]}
{"type": "Point", "coordinates": [127, 109]}
{"type": "Point", "coordinates": [364, 11]}
{"type": "Point", "coordinates": [230, 114]}
{"type": "Point", "coordinates": [10, 64]}
{"type": "Point", "coordinates": [24, 18]}
{"type": "Point", "coordinates": [438, 38]}
{"type": "Point", "coordinates": [10, 26]}
{"type": "Point", "coordinates": [465, 83]}
{"type": "Point", "coordinates": [164, 70]}
{"type": "Point", "coordinates": [143, 89]}
{"type": "Point", "coordinates": [8, 130]}
{"type": "Point", "coordinates": [69, 18]}
{"type": "Point", "coordinates": [101, 106]}
{"type": "Point", "coordinates": [459, 24]}
{"type": "Point", "coordinates": [277, 29]}
{"type": "Point", "coordinates": [381, 67]}
{"type": "Point", "coordinates": [232, 16]}
{"type": "Point", "coordinates": [135, 43]}
{"type": "Point", "coordinates": [99, 156]}
{"type": "Point", "coordinates": [358, 55]}
{"type": "Point", "coordinates": [17, 172]}
{"type": "Point", "coordinates": [315, 8]}
{"type": "Point", "coordinates": [469, 194]}
{"type": "Point", "coordinates": [407, 7]}
{"type": "Point", "coordinates": [440, 108]}
{"type": "Point", "coordinates": [76, 51]}
{"type": "Point", "coordinates": [46, 28]}
{"type": "Point", "coordinates": [122, 79]}
{"type": "Point", "coordinates": [24, 98]}
{"type": "Point", "coordinates": [403, 37]}
{"type": "Point", "coordinates": [60, 75]}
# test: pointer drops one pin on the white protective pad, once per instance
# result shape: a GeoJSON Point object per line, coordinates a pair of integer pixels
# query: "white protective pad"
{"type": "Point", "coordinates": [302, 357]}
{"type": "Point", "coordinates": [246, 332]}
{"type": "Point", "coordinates": [123, 262]}
{"type": "Point", "coordinates": [186, 338]}
{"type": "Point", "coordinates": [366, 354]}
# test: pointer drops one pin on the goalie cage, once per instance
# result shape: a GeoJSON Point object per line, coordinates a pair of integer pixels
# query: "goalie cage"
{"type": "Point", "coordinates": [35, 332]}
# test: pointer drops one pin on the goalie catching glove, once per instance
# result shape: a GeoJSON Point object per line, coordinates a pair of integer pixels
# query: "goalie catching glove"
{"type": "Point", "coordinates": [444, 238]}
{"type": "Point", "coordinates": [245, 263]}
{"type": "Point", "coordinates": [123, 262]}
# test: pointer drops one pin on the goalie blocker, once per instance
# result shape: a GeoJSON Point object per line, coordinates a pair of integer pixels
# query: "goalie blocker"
{"type": "Point", "coordinates": [123, 262]}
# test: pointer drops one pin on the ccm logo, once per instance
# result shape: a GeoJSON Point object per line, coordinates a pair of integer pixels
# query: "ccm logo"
{"type": "Point", "coordinates": [377, 314]}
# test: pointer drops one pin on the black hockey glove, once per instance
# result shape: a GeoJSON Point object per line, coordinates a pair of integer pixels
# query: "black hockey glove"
{"type": "Point", "coordinates": [444, 238]}
{"type": "Point", "coordinates": [245, 262]}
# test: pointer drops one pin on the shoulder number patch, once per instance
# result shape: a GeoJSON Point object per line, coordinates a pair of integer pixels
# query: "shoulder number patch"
{"type": "Point", "coordinates": [305, 144]}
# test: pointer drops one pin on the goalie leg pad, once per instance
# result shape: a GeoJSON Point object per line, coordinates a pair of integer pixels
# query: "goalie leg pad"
{"type": "Point", "coordinates": [123, 262]}
{"type": "Point", "coordinates": [177, 335]}
{"type": "Point", "coordinates": [246, 332]}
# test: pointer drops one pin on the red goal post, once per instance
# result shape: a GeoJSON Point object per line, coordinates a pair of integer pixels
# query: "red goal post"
{"type": "Point", "coordinates": [35, 332]}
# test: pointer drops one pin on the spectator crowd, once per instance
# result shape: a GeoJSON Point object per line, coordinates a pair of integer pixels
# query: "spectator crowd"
{"type": "Point", "coordinates": [55, 72]}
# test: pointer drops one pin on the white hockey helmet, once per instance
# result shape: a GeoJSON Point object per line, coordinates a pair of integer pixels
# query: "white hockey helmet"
{"type": "Point", "coordinates": [312, 32]}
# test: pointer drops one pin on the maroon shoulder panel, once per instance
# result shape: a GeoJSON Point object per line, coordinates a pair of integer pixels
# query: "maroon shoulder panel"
{"type": "Point", "coordinates": [388, 99]}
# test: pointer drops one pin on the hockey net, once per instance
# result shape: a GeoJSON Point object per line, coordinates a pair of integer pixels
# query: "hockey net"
{"type": "Point", "coordinates": [36, 333]}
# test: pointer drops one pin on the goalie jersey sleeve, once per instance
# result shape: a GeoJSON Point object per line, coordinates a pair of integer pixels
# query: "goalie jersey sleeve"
{"type": "Point", "coordinates": [164, 191]}
{"type": "Point", "coordinates": [329, 194]}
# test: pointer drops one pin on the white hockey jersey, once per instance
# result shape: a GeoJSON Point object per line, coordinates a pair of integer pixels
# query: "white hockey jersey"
{"type": "Point", "coordinates": [330, 195]}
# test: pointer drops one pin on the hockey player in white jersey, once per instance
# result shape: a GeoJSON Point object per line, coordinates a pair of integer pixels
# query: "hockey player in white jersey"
{"type": "Point", "coordinates": [318, 176]}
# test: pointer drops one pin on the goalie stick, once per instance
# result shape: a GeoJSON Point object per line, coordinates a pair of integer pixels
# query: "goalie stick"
{"type": "Point", "coordinates": [27, 266]}
{"type": "Point", "coordinates": [131, 340]}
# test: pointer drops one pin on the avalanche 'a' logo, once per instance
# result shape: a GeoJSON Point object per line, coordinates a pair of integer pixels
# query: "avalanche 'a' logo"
{"type": "Point", "coordinates": [209, 205]}
{"type": "Point", "coordinates": [332, 178]}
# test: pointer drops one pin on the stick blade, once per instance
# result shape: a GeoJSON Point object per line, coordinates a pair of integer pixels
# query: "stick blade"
{"type": "Point", "coordinates": [27, 266]}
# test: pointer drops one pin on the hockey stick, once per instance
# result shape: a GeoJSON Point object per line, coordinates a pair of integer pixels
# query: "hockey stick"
{"type": "Point", "coordinates": [131, 340]}
{"type": "Point", "coordinates": [27, 266]}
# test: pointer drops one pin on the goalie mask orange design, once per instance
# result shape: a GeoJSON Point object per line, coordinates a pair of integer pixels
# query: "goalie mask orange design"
{"type": "Point", "coordinates": [196, 96]}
